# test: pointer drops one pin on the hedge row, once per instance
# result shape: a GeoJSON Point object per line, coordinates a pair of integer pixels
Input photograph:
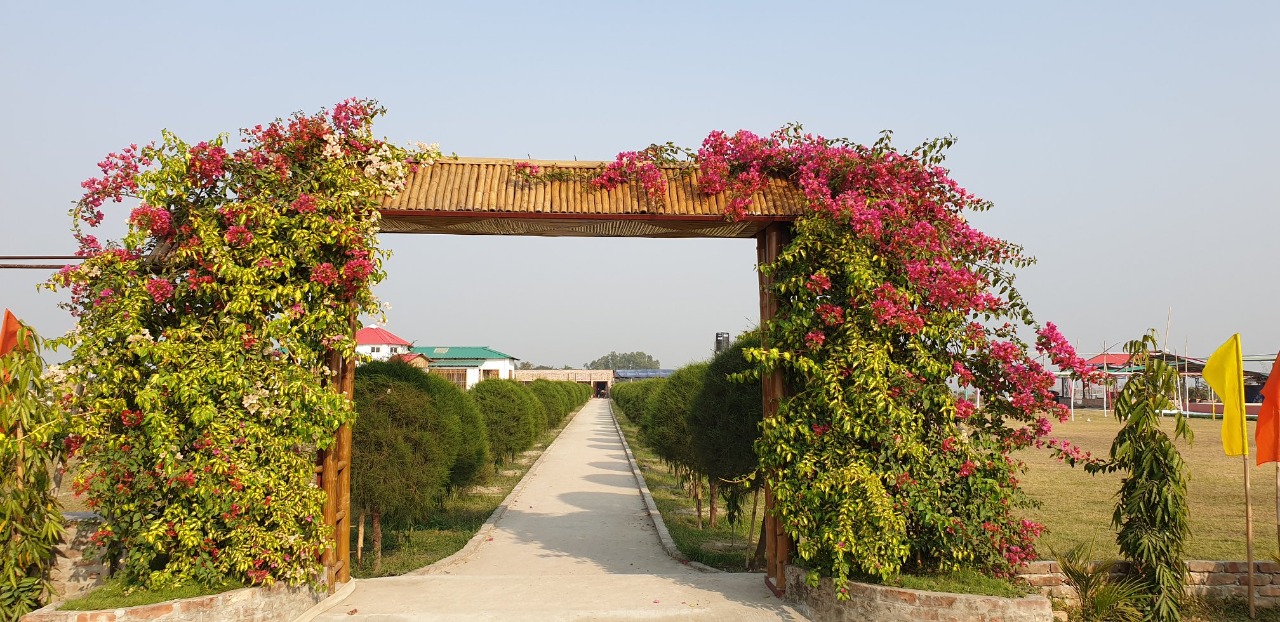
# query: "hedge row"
{"type": "Point", "coordinates": [516, 414]}
{"type": "Point", "coordinates": [702, 421]}
{"type": "Point", "coordinates": [418, 437]}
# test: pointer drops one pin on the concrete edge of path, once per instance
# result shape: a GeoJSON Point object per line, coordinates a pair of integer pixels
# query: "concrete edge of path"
{"type": "Point", "coordinates": [489, 525]}
{"type": "Point", "coordinates": [332, 600]}
{"type": "Point", "coordinates": [664, 536]}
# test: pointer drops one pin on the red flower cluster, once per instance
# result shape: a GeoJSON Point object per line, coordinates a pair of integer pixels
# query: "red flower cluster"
{"type": "Point", "coordinates": [161, 290]}
{"type": "Point", "coordinates": [154, 220]}
{"type": "Point", "coordinates": [207, 163]}
{"type": "Point", "coordinates": [818, 283]}
{"type": "Point", "coordinates": [131, 418]}
{"type": "Point", "coordinates": [239, 236]}
{"type": "Point", "coordinates": [304, 204]}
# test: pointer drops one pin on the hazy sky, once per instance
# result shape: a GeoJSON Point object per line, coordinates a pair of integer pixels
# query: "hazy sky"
{"type": "Point", "coordinates": [1131, 147]}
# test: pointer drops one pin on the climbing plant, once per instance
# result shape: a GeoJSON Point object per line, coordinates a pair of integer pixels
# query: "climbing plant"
{"type": "Point", "coordinates": [30, 519]}
{"type": "Point", "coordinates": [201, 335]}
{"type": "Point", "coordinates": [889, 300]}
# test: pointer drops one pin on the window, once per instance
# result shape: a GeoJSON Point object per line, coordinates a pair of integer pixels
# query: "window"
{"type": "Point", "coordinates": [489, 373]}
{"type": "Point", "coordinates": [456, 376]}
{"type": "Point", "coordinates": [375, 348]}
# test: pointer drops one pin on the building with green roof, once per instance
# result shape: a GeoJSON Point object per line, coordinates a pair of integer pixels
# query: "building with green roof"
{"type": "Point", "coordinates": [467, 365]}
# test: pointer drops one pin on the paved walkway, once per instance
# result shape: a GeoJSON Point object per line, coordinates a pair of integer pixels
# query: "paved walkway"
{"type": "Point", "coordinates": [574, 544]}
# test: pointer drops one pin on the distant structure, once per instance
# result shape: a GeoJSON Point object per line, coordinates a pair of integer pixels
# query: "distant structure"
{"type": "Point", "coordinates": [466, 366]}
{"type": "Point", "coordinates": [380, 344]}
{"type": "Point", "coordinates": [722, 343]}
{"type": "Point", "coordinates": [628, 375]}
{"type": "Point", "coordinates": [598, 379]}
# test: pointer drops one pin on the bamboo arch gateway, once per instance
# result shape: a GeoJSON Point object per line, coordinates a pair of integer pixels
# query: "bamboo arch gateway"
{"type": "Point", "coordinates": [474, 196]}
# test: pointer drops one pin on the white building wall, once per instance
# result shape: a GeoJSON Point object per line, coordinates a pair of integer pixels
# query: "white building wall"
{"type": "Point", "coordinates": [381, 351]}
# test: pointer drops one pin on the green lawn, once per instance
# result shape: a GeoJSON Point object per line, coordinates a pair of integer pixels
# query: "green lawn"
{"type": "Point", "coordinates": [115, 594]}
{"type": "Point", "coordinates": [1076, 507]}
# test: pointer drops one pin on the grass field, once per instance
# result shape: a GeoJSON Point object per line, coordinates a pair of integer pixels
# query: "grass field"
{"type": "Point", "coordinates": [1077, 507]}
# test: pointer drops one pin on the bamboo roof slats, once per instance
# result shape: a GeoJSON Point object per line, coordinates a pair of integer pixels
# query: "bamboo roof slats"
{"type": "Point", "coordinates": [481, 196]}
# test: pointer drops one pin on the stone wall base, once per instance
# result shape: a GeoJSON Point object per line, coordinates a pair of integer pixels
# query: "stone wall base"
{"type": "Point", "coordinates": [876, 603]}
{"type": "Point", "coordinates": [1212, 580]}
{"type": "Point", "coordinates": [252, 604]}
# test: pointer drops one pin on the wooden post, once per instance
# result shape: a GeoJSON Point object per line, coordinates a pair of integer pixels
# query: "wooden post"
{"type": "Point", "coordinates": [1248, 529]}
{"type": "Point", "coordinates": [329, 483]}
{"type": "Point", "coordinates": [335, 477]}
{"type": "Point", "coordinates": [769, 245]}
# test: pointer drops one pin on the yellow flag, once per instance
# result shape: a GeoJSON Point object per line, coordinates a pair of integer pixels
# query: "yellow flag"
{"type": "Point", "coordinates": [1225, 374]}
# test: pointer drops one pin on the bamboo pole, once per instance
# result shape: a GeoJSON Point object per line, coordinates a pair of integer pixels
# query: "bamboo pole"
{"type": "Point", "coordinates": [21, 454]}
{"type": "Point", "coordinates": [755, 505]}
{"type": "Point", "coordinates": [1248, 533]}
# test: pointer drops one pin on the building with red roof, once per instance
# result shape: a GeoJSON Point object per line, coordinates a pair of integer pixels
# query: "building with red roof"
{"type": "Point", "coordinates": [379, 343]}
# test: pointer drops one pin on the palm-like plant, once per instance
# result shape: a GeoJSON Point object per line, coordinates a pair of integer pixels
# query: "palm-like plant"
{"type": "Point", "coordinates": [1101, 598]}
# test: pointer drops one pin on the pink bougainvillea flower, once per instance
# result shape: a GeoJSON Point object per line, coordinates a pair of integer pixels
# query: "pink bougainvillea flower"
{"type": "Point", "coordinates": [818, 283]}
{"type": "Point", "coordinates": [154, 220]}
{"type": "Point", "coordinates": [207, 163]}
{"type": "Point", "coordinates": [239, 236]}
{"type": "Point", "coordinates": [161, 290]}
{"type": "Point", "coordinates": [815, 339]}
{"type": "Point", "coordinates": [324, 274]}
{"type": "Point", "coordinates": [304, 204]}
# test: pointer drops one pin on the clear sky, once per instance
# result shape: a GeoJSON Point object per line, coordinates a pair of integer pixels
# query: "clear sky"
{"type": "Point", "coordinates": [1131, 147]}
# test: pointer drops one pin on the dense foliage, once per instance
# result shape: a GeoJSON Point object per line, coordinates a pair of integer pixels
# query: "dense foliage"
{"type": "Point", "coordinates": [30, 519]}
{"type": "Point", "coordinates": [667, 414]}
{"type": "Point", "coordinates": [555, 402]}
{"type": "Point", "coordinates": [512, 414]}
{"type": "Point", "coordinates": [630, 397]}
{"type": "Point", "coordinates": [726, 414]}
{"type": "Point", "coordinates": [403, 449]}
{"type": "Point", "coordinates": [448, 403]}
{"type": "Point", "coordinates": [888, 300]}
{"type": "Point", "coordinates": [1151, 513]}
{"type": "Point", "coordinates": [201, 337]}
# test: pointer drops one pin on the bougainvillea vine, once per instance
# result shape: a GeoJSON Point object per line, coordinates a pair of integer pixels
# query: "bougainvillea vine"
{"type": "Point", "coordinates": [197, 379]}
{"type": "Point", "coordinates": [891, 307]}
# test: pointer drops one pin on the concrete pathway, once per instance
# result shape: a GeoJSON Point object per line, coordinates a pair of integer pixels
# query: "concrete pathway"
{"type": "Point", "coordinates": [575, 543]}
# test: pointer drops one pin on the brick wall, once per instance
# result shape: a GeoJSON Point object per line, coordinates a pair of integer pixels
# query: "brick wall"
{"type": "Point", "coordinates": [876, 603]}
{"type": "Point", "coordinates": [1206, 579]}
{"type": "Point", "coordinates": [252, 604]}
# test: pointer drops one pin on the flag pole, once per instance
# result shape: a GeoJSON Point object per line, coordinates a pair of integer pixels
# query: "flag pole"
{"type": "Point", "coordinates": [1248, 535]}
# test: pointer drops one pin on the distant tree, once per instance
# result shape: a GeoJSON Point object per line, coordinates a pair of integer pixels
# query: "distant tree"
{"type": "Point", "coordinates": [528, 365]}
{"type": "Point", "coordinates": [624, 360]}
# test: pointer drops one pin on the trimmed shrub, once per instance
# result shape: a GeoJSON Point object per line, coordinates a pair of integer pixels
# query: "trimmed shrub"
{"type": "Point", "coordinates": [726, 415]}
{"type": "Point", "coordinates": [630, 397]}
{"type": "Point", "coordinates": [668, 411]}
{"type": "Point", "coordinates": [725, 423]}
{"type": "Point", "coordinates": [450, 402]}
{"type": "Point", "coordinates": [512, 414]}
{"type": "Point", "coordinates": [556, 402]}
{"type": "Point", "coordinates": [403, 450]}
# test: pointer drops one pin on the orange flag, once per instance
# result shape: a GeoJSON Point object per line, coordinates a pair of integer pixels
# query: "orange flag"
{"type": "Point", "coordinates": [8, 333]}
{"type": "Point", "coordinates": [1268, 432]}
